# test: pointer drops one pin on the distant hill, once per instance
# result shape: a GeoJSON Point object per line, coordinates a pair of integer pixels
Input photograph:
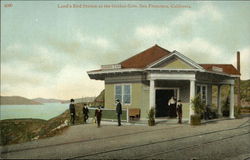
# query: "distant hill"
{"type": "Point", "coordinates": [44, 100]}
{"type": "Point", "coordinates": [81, 100]}
{"type": "Point", "coordinates": [16, 100]}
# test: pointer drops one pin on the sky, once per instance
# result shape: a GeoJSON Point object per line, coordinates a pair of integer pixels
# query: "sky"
{"type": "Point", "coordinates": [48, 47]}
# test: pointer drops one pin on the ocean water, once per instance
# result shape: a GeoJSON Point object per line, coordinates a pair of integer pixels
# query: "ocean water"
{"type": "Point", "coordinates": [45, 111]}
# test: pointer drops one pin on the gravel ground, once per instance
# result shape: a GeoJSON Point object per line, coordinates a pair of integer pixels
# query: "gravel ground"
{"type": "Point", "coordinates": [221, 139]}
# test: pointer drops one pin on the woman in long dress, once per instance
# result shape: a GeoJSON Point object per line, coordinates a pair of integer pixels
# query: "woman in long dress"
{"type": "Point", "coordinates": [172, 107]}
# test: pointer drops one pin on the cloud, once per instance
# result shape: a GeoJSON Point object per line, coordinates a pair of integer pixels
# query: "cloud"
{"type": "Point", "coordinates": [207, 12]}
{"type": "Point", "coordinates": [200, 50]}
{"type": "Point", "coordinates": [151, 31]}
{"type": "Point", "coordinates": [73, 81]}
{"type": "Point", "coordinates": [37, 57]}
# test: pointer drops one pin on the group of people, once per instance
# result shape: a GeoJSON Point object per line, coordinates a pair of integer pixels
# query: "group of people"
{"type": "Point", "coordinates": [175, 109]}
{"type": "Point", "coordinates": [72, 111]}
{"type": "Point", "coordinates": [98, 113]}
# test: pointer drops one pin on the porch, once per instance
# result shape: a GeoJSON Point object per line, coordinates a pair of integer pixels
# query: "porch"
{"type": "Point", "coordinates": [185, 86]}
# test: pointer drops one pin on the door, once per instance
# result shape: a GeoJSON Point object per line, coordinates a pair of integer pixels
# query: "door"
{"type": "Point", "coordinates": [162, 97]}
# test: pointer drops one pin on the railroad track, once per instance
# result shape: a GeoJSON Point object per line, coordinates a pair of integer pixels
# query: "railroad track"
{"type": "Point", "coordinates": [241, 126]}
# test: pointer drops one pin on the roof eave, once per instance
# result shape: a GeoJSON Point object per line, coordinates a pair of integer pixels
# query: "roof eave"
{"type": "Point", "coordinates": [224, 74]}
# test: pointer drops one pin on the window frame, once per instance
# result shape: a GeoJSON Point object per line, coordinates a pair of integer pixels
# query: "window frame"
{"type": "Point", "coordinates": [122, 92]}
{"type": "Point", "coordinates": [201, 91]}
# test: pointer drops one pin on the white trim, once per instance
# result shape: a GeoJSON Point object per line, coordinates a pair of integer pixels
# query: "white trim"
{"type": "Point", "coordinates": [152, 94]}
{"type": "Point", "coordinates": [115, 71]}
{"type": "Point", "coordinates": [174, 76]}
{"type": "Point", "coordinates": [181, 56]}
{"type": "Point", "coordinates": [122, 89]}
{"type": "Point", "coordinates": [231, 110]}
{"type": "Point", "coordinates": [171, 70]}
{"type": "Point", "coordinates": [222, 73]}
{"type": "Point", "coordinates": [157, 69]}
{"type": "Point", "coordinates": [191, 96]}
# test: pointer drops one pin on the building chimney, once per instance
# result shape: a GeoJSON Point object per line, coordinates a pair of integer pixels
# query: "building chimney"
{"type": "Point", "coordinates": [238, 61]}
{"type": "Point", "coordinates": [238, 68]}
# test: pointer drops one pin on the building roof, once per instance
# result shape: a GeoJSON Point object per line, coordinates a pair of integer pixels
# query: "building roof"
{"type": "Point", "coordinates": [145, 58]}
{"type": "Point", "coordinates": [227, 68]}
{"type": "Point", "coordinates": [156, 54]}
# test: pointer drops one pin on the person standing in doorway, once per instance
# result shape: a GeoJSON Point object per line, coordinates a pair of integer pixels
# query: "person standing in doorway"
{"type": "Point", "coordinates": [172, 107]}
{"type": "Point", "coordinates": [179, 111]}
{"type": "Point", "coordinates": [72, 111]}
{"type": "Point", "coordinates": [118, 111]}
{"type": "Point", "coordinates": [85, 112]}
{"type": "Point", "coordinates": [98, 115]}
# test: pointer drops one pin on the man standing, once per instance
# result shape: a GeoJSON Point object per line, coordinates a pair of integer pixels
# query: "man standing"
{"type": "Point", "coordinates": [179, 111]}
{"type": "Point", "coordinates": [98, 115]}
{"type": "Point", "coordinates": [118, 111]}
{"type": "Point", "coordinates": [85, 112]}
{"type": "Point", "coordinates": [72, 111]}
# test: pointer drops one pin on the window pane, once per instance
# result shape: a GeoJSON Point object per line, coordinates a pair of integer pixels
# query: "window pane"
{"type": "Point", "coordinates": [127, 89]}
{"type": "Point", "coordinates": [204, 91]}
{"type": "Point", "coordinates": [118, 92]}
{"type": "Point", "coordinates": [126, 94]}
{"type": "Point", "coordinates": [126, 99]}
{"type": "Point", "coordinates": [198, 89]}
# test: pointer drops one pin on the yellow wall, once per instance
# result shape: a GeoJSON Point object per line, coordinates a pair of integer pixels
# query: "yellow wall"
{"type": "Point", "coordinates": [109, 96]}
{"type": "Point", "coordinates": [185, 110]}
{"type": "Point", "coordinates": [139, 98]}
{"type": "Point", "coordinates": [177, 64]}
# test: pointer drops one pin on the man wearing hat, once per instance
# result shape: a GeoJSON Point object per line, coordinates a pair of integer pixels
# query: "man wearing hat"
{"type": "Point", "coordinates": [118, 111]}
{"type": "Point", "coordinates": [72, 111]}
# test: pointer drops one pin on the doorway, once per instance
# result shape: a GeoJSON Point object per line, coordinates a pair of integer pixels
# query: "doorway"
{"type": "Point", "coordinates": [161, 99]}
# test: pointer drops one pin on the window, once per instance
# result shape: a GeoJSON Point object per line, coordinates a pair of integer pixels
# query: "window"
{"type": "Point", "coordinates": [126, 94]}
{"type": "Point", "coordinates": [118, 92]}
{"type": "Point", "coordinates": [123, 93]}
{"type": "Point", "coordinates": [202, 90]}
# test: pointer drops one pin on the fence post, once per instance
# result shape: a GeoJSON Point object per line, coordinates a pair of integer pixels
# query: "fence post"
{"type": "Point", "coordinates": [127, 115]}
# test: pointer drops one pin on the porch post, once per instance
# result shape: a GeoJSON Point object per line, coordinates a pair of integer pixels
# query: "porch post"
{"type": "Point", "coordinates": [192, 95]}
{"type": "Point", "coordinates": [231, 101]}
{"type": "Point", "coordinates": [152, 94]}
{"type": "Point", "coordinates": [219, 100]}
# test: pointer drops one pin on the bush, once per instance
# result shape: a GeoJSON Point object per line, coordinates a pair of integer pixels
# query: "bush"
{"type": "Point", "coordinates": [151, 117]}
{"type": "Point", "coordinates": [237, 111]}
{"type": "Point", "coordinates": [197, 105]}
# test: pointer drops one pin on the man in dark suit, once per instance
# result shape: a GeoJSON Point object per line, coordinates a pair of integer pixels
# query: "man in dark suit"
{"type": "Point", "coordinates": [72, 111]}
{"type": "Point", "coordinates": [118, 111]}
{"type": "Point", "coordinates": [85, 112]}
{"type": "Point", "coordinates": [98, 115]}
{"type": "Point", "coordinates": [179, 111]}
